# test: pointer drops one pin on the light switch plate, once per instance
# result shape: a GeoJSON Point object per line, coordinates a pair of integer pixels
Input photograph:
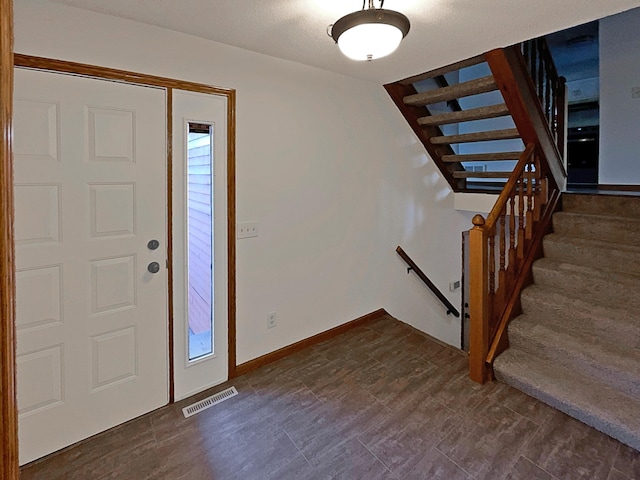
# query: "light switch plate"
{"type": "Point", "coordinates": [247, 229]}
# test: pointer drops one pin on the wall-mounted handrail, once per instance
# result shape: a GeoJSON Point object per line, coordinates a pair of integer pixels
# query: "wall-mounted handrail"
{"type": "Point", "coordinates": [427, 282]}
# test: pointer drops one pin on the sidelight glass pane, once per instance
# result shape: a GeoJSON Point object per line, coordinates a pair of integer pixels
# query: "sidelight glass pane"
{"type": "Point", "coordinates": [200, 239]}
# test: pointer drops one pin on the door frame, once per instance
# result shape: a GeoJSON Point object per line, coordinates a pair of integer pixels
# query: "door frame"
{"type": "Point", "coordinates": [8, 413]}
{"type": "Point", "coordinates": [9, 464]}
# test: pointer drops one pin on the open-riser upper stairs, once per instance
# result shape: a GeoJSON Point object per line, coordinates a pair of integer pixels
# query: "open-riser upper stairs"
{"type": "Point", "coordinates": [475, 117]}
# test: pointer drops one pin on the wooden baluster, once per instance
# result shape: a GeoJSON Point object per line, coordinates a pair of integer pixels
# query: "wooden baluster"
{"type": "Point", "coordinates": [537, 188]}
{"type": "Point", "coordinates": [502, 272]}
{"type": "Point", "coordinates": [533, 61]}
{"type": "Point", "coordinates": [478, 302]}
{"type": "Point", "coordinates": [540, 73]}
{"type": "Point", "coordinates": [547, 94]}
{"type": "Point", "coordinates": [529, 219]}
{"type": "Point", "coordinates": [512, 233]}
{"type": "Point", "coordinates": [554, 110]}
{"type": "Point", "coordinates": [521, 187]}
{"type": "Point", "coordinates": [492, 263]}
{"type": "Point", "coordinates": [525, 52]}
{"type": "Point", "coordinates": [561, 115]}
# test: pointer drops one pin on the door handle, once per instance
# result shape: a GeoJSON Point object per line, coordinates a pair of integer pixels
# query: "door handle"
{"type": "Point", "coordinates": [153, 267]}
{"type": "Point", "coordinates": [153, 244]}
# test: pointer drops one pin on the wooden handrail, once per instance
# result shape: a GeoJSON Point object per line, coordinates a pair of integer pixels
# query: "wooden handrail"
{"type": "Point", "coordinates": [509, 186]}
{"type": "Point", "coordinates": [412, 266]}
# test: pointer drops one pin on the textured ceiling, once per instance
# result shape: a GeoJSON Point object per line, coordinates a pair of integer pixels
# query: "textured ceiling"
{"type": "Point", "coordinates": [442, 31]}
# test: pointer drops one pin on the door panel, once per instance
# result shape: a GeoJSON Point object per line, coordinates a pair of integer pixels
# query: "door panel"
{"type": "Point", "coordinates": [90, 176]}
{"type": "Point", "coordinates": [192, 376]}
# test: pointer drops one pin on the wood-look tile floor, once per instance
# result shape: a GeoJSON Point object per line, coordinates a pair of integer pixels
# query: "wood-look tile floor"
{"type": "Point", "coordinates": [381, 401]}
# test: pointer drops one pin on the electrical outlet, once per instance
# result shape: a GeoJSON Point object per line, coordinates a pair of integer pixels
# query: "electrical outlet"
{"type": "Point", "coordinates": [453, 286]}
{"type": "Point", "coordinates": [247, 229]}
{"type": "Point", "coordinates": [271, 319]}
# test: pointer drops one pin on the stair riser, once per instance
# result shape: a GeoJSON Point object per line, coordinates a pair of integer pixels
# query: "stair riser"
{"type": "Point", "coordinates": [587, 287]}
{"type": "Point", "coordinates": [618, 327]}
{"type": "Point", "coordinates": [623, 378]}
{"type": "Point", "coordinates": [616, 230]}
{"type": "Point", "coordinates": [609, 205]}
{"type": "Point", "coordinates": [577, 345]}
{"type": "Point", "coordinates": [598, 256]}
{"type": "Point", "coordinates": [620, 431]}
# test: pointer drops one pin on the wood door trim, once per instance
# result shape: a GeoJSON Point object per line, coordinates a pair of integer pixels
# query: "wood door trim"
{"type": "Point", "coordinates": [170, 242]}
{"type": "Point", "coordinates": [231, 233]}
{"type": "Point", "coordinates": [62, 66]}
{"type": "Point", "coordinates": [9, 462]}
{"type": "Point", "coordinates": [170, 84]}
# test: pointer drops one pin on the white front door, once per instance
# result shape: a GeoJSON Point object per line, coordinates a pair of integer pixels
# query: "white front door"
{"type": "Point", "coordinates": [199, 242]}
{"type": "Point", "coordinates": [90, 194]}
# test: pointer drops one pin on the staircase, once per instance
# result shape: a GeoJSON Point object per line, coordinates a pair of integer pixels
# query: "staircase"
{"type": "Point", "coordinates": [576, 346]}
{"type": "Point", "coordinates": [461, 118]}
{"type": "Point", "coordinates": [475, 117]}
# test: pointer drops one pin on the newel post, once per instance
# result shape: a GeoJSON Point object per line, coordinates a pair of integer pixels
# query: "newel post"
{"type": "Point", "coordinates": [478, 302]}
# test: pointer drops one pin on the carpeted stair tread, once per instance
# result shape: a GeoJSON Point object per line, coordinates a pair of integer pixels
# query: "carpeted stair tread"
{"type": "Point", "coordinates": [619, 324]}
{"type": "Point", "coordinates": [609, 205]}
{"type": "Point", "coordinates": [604, 287]}
{"type": "Point", "coordinates": [577, 344]}
{"type": "Point", "coordinates": [584, 353]}
{"type": "Point", "coordinates": [588, 400]}
{"type": "Point", "coordinates": [600, 254]}
{"type": "Point", "coordinates": [619, 230]}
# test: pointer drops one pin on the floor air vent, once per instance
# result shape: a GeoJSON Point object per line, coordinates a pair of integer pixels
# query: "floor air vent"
{"type": "Point", "coordinates": [209, 402]}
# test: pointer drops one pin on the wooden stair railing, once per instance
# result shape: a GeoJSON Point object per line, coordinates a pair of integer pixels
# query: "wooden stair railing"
{"type": "Point", "coordinates": [538, 108]}
{"type": "Point", "coordinates": [502, 249]}
{"type": "Point", "coordinates": [550, 87]}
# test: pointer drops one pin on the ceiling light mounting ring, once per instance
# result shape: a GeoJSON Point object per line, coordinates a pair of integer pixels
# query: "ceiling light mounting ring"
{"type": "Point", "coordinates": [369, 33]}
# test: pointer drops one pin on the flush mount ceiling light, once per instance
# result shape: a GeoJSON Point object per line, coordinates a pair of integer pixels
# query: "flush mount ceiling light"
{"type": "Point", "coordinates": [370, 33]}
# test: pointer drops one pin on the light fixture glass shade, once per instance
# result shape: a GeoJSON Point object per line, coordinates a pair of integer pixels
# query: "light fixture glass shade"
{"type": "Point", "coordinates": [370, 34]}
{"type": "Point", "coordinates": [369, 41]}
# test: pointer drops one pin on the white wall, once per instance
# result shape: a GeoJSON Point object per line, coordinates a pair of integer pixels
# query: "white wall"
{"type": "Point", "coordinates": [619, 112]}
{"type": "Point", "coordinates": [326, 165]}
